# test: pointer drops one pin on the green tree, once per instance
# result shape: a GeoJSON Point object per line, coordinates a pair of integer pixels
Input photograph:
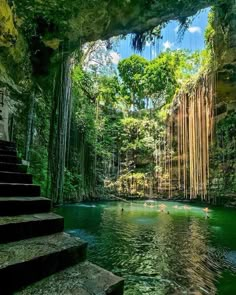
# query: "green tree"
{"type": "Point", "coordinates": [132, 71]}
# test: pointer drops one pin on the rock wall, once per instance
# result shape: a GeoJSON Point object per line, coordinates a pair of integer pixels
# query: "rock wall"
{"type": "Point", "coordinates": [36, 30]}
{"type": "Point", "coordinates": [223, 153]}
{"type": "Point", "coordinates": [221, 188]}
{"type": "Point", "coordinates": [225, 53]}
{"type": "Point", "coordinates": [4, 112]}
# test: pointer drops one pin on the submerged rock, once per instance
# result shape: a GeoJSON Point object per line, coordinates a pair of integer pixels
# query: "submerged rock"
{"type": "Point", "coordinates": [230, 257]}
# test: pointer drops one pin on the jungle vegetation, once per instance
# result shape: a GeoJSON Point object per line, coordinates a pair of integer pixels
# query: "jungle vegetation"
{"type": "Point", "coordinates": [97, 130]}
{"type": "Point", "coordinates": [116, 117]}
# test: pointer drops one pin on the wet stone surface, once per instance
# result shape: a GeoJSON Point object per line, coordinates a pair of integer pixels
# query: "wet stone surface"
{"type": "Point", "coordinates": [83, 279]}
{"type": "Point", "coordinates": [21, 251]}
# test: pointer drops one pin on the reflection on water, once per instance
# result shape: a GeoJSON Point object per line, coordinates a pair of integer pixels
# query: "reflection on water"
{"type": "Point", "coordinates": [157, 253]}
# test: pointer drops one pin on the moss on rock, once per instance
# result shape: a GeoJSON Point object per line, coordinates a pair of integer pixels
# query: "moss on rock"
{"type": "Point", "coordinates": [8, 32]}
{"type": "Point", "coordinates": [47, 24]}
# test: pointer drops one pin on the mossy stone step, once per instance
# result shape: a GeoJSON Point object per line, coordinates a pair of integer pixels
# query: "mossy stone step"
{"type": "Point", "coordinates": [12, 167]}
{"type": "Point", "coordinates": [27, 261]}
{"type": "Point", "coordinates": [10, 144]}
{"type": "Point", "coordinates": [19, 190]}
{"type": "Point", "coordinates": [40, 249]}
{"type": "Point", "coordinates": [15, 177]}
{"type": "Point", "coordinates": [10, 206]}
{"type": "Point", "coordinates": [9, 159]}
{"type": "Point", "coordinates": [83, 279]}
{"type": "Point", "coordinates": [21, 227]}
{"type": "Point", "coordinates": [7, 151]}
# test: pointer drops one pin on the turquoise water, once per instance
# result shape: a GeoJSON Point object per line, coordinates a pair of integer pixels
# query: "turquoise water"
{"type": "Point", "coordinates": [157, 253]}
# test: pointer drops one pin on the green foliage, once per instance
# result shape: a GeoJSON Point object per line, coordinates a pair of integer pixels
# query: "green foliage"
{"type": "Point", "coordinates": [226, 130]}
{"type": "Point", "coordinates": [210, 31]}
{"type": "Point", "coordinates": [224, 155]}
{"type": "Point", "coordinates": [55, 12]}
{"type": "Point", "coordinates": [39, 166]}
{"type": "Point", "coordinates": [116, 127]}
{"type": "Point", "coordinates": [160, 79]}
{"type": "Point", "coordinates": [116, 132]}
{"type": "Point", "coordinates": [39, 135]}
{"type": "Point", "coordinates": [72, 186]}
{"type": "Point", "coordinates": [108, 90]}
{"type": "Point", "coordinates": [132, 71]}
{"type": "Point", "coordinates": [157, 79]}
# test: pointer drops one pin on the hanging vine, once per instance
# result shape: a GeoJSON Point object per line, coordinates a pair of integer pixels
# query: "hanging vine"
{"type": "Point", "coordinates": [59, 128]}
{"type": "Point", "coordinates": [194, 116]}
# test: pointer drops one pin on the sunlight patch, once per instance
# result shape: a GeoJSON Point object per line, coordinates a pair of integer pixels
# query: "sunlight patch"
{"type": "Point", "coordinates": [176, 29]}
{"type": "Point", "coordinates": [115, 57]}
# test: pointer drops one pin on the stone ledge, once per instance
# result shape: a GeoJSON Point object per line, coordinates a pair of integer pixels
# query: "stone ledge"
{"type": "Point", "coordinates": [10, 206]}
{"type": "Point", "coordinates": [15, 228]}
{"type": "Point", "coordinates": [84, 279]}
{"type": "Point", "coordinates": [26, 250]}
{"type": "Point", "coordinates": [27, 261]}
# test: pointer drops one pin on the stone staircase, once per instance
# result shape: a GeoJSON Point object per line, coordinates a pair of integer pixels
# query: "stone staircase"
{"type": "Point", "coordinates": [36, 256]}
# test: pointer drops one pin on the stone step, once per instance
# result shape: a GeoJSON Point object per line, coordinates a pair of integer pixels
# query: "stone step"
{"type": "Point", "coordinates": [14, 177]}
{"type": "Point", "coordinates": [15, 228]}
{"type": "Point", "coordinates": [10, 144]}
{"type": "Point", "coordinates": [9, 159]}
{"type": "Point", "coordinates": [84, 278]}
{"type": "Point", "coordinates": [10, 206]}
{"type": "Point", "coordinates": [7, 147]}
{"type": "Point", "coordinates": [13, 167]}
{"type": "Point", "coordinates": [10, 152]}
{"type": "Point", "coordinates": [19, 190]}
{"type": "Point", "coordinates": [27, 261]}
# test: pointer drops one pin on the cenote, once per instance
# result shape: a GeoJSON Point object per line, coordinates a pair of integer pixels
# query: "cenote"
{"type": "Point", "coordinates": [157, 253]}
{"type": "Point", "coordinates": [107, 101]}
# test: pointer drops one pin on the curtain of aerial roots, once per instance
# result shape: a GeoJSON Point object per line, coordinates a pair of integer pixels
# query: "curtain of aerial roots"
{"type": "Point", "coordinates": [194, 121]}
{"type": "Point", "coordinates": [59, 129]}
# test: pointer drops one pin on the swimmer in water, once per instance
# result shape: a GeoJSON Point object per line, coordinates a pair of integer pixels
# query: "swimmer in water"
{"type": "Point", "coordinates": [206, 210]}
{"type": "Point", "coordinates": [176, 207]}
{"type": "Point", "coordinates": [145, 204]}
{"type": "Point", "coordinates": [162, 207]}
{"type": "Point", "coordinates": [187, 207]}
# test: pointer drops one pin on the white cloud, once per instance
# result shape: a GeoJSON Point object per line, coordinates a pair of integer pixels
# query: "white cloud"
{"type": "Point", "coordinates": [194, 30]}
{"type": "Point", "coordinates": [168, 45]}
{"type": "Point", "coordinates": [176, 29]}
{"type": "Point", "coordinates": [154, 53]}
{"type": "Point", "coordinates": [115, 57]}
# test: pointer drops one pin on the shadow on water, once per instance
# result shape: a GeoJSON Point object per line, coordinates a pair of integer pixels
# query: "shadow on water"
{"type": "Point", "coordinates": [182, 252]}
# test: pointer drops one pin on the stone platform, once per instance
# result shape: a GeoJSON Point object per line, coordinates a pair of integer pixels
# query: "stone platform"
{"type": "Point", "coordinates": [36, 256]}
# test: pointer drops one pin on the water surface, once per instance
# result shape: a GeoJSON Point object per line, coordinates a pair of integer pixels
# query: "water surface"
{"type": "Point", "coordinates": [157, 253]}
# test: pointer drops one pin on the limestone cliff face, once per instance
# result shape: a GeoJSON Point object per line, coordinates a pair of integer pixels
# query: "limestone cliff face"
{"type": "Point", "coordinates": [8, 32]}
{"type": "Point", "coordinates": [225, 51]}
{"type": "Point", "coordinates": [222, 186]}
{"type": "Point", "coordinates": [97, 19]}
{"type": "Point", "coordinates": [44, 26]}
{"type": "Point", "coordinates": [13, 48]}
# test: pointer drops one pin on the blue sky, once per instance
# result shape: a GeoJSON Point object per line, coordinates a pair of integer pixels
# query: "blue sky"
{"type": "Point", "coordinates": [192, 40]}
